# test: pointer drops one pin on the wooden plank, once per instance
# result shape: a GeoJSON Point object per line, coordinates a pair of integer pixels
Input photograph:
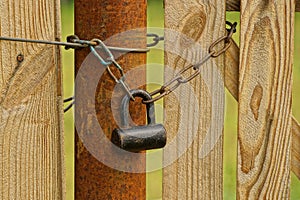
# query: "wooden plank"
{"type": "Point", "coordinates": [231, 83]}
{"type": "Point", "coordinates": [297, 6]}
{"type": "Point", "coordinates": [31, 117]}
{"type": "Point", "coordinates": [195, 175]}
{"type": "Point", "coordinates": [265, 95]}
{"type": "Point", "coordinates": [93, 179]}
{"type": "Point", "coordinates": [232, 56]}
{"type": "Point", "coordinates": [295, 147]}
{"type": "Point", "coordinates": [234, 5]}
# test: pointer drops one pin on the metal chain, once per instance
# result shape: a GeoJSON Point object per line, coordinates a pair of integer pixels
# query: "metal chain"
{"type": "Point", "coordinates": [74, 42]}
{"type": "Point", "coordinates": [169, 86]}
{"type": "Point", "coordinates": [110, 60]}
{"type": "Point", "coordinates": [179, 78]}
{"type": "Point", "coordinates": [156, 39]}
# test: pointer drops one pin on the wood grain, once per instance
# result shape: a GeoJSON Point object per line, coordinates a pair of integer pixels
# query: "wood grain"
{"type": "Point", "coordinates": [195, 175]}
{"type": "Point", "coordinates": [31, 117]}
{"type": "Point", "coordinates": [231, 83]}
{"type": "Point", "coordinates": [232, 56]}
{"type": "Point", "coordinates": [297, 6]}
{"type": "Point", "coordinates": [295, 147]}
{"type": "Point", "coordinates": [265, 95]}
{"type": "Point", "coordinates": [234, 5]}
{"type": "Point", "coordinates": [93, 178]}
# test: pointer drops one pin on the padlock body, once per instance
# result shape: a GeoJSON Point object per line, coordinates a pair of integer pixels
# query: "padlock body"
{"type": "Point", "coordinates": [139, 138]}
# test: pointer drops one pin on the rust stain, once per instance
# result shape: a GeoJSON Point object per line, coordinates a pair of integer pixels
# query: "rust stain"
{"type": "Point", "coordinates": [80, 149]}
{"type": "Point", "coordinates": [256, 100]}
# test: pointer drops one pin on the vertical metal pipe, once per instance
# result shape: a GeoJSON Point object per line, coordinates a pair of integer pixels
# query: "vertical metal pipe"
{"type": "Point", "coordinates": [103, 19]}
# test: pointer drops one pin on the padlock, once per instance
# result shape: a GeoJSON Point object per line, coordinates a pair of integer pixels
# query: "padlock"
{"type": "Point", "coordinates": [139, 138]}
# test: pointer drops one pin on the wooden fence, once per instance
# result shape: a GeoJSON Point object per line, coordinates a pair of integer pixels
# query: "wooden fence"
{"type": "Point", "coordinates": [31, 112]}
{"type": "Point", "coordinates": [258, 74]}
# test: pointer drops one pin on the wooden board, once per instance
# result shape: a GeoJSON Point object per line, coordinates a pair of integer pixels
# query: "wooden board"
{"type": "Point", "coordinates": [31, 116]}
{"type": "Point", "coordinates": [94, 179]}
{"type": "Point", "coordinates": [295, 147]}
{"type": "Point", "coordinates": [195, 175]}
{"type": "Point", "coordinates": [265, 95]}
{"type": "Point", "coordinates": [231, 83]}
{"type": "Point", "coordinates": [234, 5]}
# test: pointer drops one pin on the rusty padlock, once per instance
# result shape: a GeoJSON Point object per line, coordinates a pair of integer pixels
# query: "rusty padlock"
{"type": "Point", "coordinates": [139, 138]}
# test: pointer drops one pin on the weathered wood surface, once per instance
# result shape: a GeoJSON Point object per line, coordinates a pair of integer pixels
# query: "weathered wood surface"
{"type": "Point", "coordinates": [193, 176]}
{"type": "Point", "coordinates": [105, 18]}
{"type": "Point", "coordinates": [232, 60]}
{"type": "Point", "coordinates": [297, 6]}
{"type": "Point", "coordinates": [31, 117]}
{"type": "Point", "coordinates": [234, 5]}
{"type": "Point", "coordinates": [265, 95]}
{"type": "Point", "coordinates": [295, 147]}
{"type": "Point", "coordinates": [231, 83]}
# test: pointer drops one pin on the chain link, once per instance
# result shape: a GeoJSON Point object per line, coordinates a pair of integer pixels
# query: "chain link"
{"type": "Point", "coordinates": [156, 39]}
{"type": "Point", "coordinates": [110, 60]}
{"type": "Point", "coordinates": [179, 78]}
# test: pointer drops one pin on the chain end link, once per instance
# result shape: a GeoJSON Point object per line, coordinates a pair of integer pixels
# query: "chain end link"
{"type": "Point", "coordinates": [126, 88]}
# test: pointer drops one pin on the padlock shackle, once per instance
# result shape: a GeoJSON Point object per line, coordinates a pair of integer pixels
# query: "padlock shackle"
{"type": "Point", "coordinates": [125, 107]}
